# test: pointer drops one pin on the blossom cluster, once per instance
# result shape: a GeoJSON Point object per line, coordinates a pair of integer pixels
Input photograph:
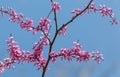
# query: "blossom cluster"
{"type": "Point", "coordinates": [76, 53]}
{"type": "Point", "coordinates": [63, 31]}
{"type": "Point", "coordinates": [44, 24]}
{"type": "Point", "coordinates": [104, 11]}
{"type": "Point", "coordinates": [15, 17]}
{"type": "Point", "coordinates": [26, 23]}
{"type": "Point", "coordinates": [76, 11]}
{"type": "Point", "coordinates": [36, 57]}
{"type": "Point", "coordinates": [55, 6]}
{"type": "Point", "coordinates": [18, 56]}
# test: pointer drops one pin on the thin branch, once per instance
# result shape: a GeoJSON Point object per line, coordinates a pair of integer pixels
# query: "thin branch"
{"type": "Point", "coordinates": [55, 19]}
{"type": "Point", "coordinates": [49, 58]}
{"type": "Point", "coordinates": [73, 18]}
{"type": "Point", "coordinates": [49, 13]}
{"type": "Point", "coordinates": [51, 0]}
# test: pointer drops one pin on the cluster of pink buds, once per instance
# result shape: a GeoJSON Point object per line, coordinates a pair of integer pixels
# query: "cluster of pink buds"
{"type": "Point", "coordinates": [76, 53]}
{"type": "Point", "coordinates": [7, 63]}
{"type": "Point", "coordinates": [38, 47]}
{"type": "Point", "coordinates": [14, 50]}
{"type": "Point", "coordinates": [63, 31]}
{"type": "Point", "coordinates": [101, 8]}
{"type": "Point", "coordinates": [97, 56]}
{"type": "Point", "coordinates": [27, 24]}
{"type": "Point", "coordinates": [43, 25]}
{"type": "Point", "coordinates": [103, 11]}
{"type": "Point", "coordinates": [106, 11]}
{"type": "Point", "coordinates": [1, 67]}
{"type": "Point", "coordinates": [56, 6]}
{"type": "Point", "coordinates": [76, 11]}
{"type": "Point", "coordinates": [21, 56]}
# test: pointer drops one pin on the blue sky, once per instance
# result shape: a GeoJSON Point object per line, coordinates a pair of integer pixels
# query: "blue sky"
{"type": "Point", "coordinates": [93, 32]}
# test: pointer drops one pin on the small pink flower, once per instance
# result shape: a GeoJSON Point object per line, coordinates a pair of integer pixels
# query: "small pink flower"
{"type": "Point", "coordinates": [92, 5]}
{"type": "Point", "coordinates": [56, 6]}
{"type": "Point", "coordinates": [76, 11]}
{"type": "Point", "coordinates": [21, 56]}
{"type": "Point", "coordinates": [1, 67]}
{"type": "Point", "coordinates": [76, 44]}
{"type": "Point", "coordinates": [29, 21]}
{"type": "Point", "coordinates": [76, 53]}
{"type": "Point", "coordinates": [97, 56]}
{"type": "Point", "coordinates": [44, 24]}
{"type": "Point", "coordinates": [63, 31]}
{"type": "Point", "coordinates": [22, 15]}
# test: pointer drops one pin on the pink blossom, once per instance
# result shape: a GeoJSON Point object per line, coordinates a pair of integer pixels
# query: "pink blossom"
{"type": "Point", "coordinates": [97, 56]}
{"type": "Point", "coordinates": [21, 56]}
{"type": "Point", "coordinates": [14, 13]}
{"type": "Point", "coordinates": [104, 11]}
{"type": "Point", "coordinates": [56, 6]}
{"type": "Point", "coordinates": [76, 44]}
{"type": "Point", "coordinates": [8, 63]}
{"type": "Point", "coordinates": [76, 11]}
{"type": "Point", "coordinates": [39, 45]}
{"type": "Point", "coordinates": [76, 53]}
{"type": "Point", "coordinates": [92, 5]}
{"type": "Point", "coordinates": [44, 24]}
{"type": "Point", "coordinates": [21, 15]}
{"type": "Point", "coordinates": [44, 41]}
{"type": "Point", "coordinates": [27, 24]}
{"type": "Point", "coordinates": [41, 63]}
{"type": "Point", "coordinates": [1, 67]}
{"type": "Point", "coordinates": [63, 31]}
{"type": "Point", "coordinates": [52, 53]}
{"type": "Point", "coordinates": [83, 56]}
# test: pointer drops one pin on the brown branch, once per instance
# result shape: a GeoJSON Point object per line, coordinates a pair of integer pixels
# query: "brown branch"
{"type": "Point", "coordinates": [55, 19]}
{"type": "Point", "coordinates": [51, 0]}
{"type": "Point", "coordinates": [49, 13]}
{"type": "Point", "coordinates": [51, 44]}
{"type": "Point", "coordinates": [48, 60]}
{"type": "Point", "coordinates": [56, 33]}
{"type": "Point", "coordinates": [73, 18]}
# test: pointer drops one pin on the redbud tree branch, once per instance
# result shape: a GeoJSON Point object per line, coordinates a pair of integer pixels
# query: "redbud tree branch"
{"type": "Point", "coordinates": [49, 13]}
{"type": "Point", "coordinates": [43, 26]}
{"type": "Point", "coordinates": [73, 18]}
{"type": "Point", "coordinates": [56, 33]}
